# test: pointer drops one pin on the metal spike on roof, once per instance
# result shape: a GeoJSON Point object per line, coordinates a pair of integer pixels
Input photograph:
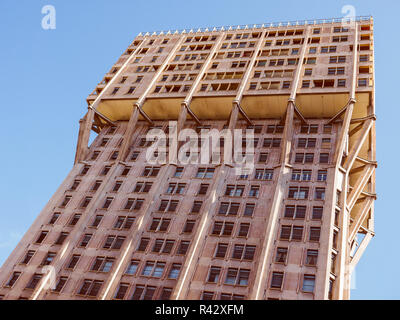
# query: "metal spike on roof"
{"type": "Point", "coordinates": [246, 27]}
{"type": "Point", "coordinates": [154, 34]}
{"type": "Point", "coordinates": [169, 32]}
{"type": "Point", "coordinates": [191, 31]}
{"type": "Point", "coordinates": [198, 30]}
{"type": "Point", "coordinates": [147, 34]}
{"type": "Point", "coordinates": [214, 29]}
{"type": "Point", "coordinates": [230, 28]}
{"type": "Point", "coordinates": [183, 31]}
{"type": "Point", "coordinates": [140, 34]}
{"type": "Point", "coordinates": [176, 32]}
{"type": "Point", "coordinates": [206, 30]}
{"type": "Point", "coordinates": [222, 29]}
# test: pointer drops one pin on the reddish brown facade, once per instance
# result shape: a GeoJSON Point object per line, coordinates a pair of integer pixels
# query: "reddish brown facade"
{"type": "Point", "coordinates": [120, 228]}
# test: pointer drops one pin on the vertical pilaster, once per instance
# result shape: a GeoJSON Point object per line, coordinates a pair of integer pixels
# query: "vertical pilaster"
{"type": "Point", "coordinates": [137, 108]}
{"type": "Point", "coordinates": [342, 289]}
{"type": "Point", "coordinates": [283, 176]}
{"type": "Point", "coordinates": [85, 127]}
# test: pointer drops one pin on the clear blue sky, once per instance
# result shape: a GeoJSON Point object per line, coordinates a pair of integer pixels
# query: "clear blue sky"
{"type": "Point", "coordinates": [46, 76]}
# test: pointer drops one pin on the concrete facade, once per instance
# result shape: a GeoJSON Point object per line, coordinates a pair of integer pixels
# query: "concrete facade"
{"type": "Point", "coordinates": [120, 228]}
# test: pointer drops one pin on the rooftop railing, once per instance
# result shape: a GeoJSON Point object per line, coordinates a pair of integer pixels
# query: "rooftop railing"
{"type": "Point", "coordinates": [295, 23]}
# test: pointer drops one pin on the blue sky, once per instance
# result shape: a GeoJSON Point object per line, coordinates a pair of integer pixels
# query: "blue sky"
{"type": "Point", "coordinates": [47, 74]}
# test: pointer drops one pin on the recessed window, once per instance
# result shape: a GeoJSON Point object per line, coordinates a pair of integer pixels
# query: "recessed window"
{"type": "Point", "coordinates": [276, 280]}
{"type": "Point", "coordinates": [315, 233]}
{"type": "Point", "coordinates": [221, 228]}
{"type": "Point", "coordinates": [14, 277]}
{"type": "Point", "coordinates": [113, 242]}
{"type": "Point", "coordinates": [317, 213]}
{"type": "Point", "coordinates": [132, 267]}
{"type": "Point", "coordinates": [237, 276]}
{"type": "Point", "coordinates": [143, 292]}
{"type": "Point", "coordinates": [73, 261]}
{"type": "Point", "coordinates": [54, 217]}
{"type": "Point", "coordinates": [214, 274]}
{"type": "Point", "coordinates": [174, 271]}
{"type": "Point", "coordinates": [311, 257]}
{"type": "Point", "coordinates": [85, 202]}
{"type": "Point", "coordinates": [308, 283]}
{"type": "Point", "coordinates": [183, 247]}
{"type": "Point", "coordinates": [243, 252]}
{"type": "Point", "coordinates": [85, 240]}
{"type": "Point", "coordinates": [41, 237]}
{"type": "Point", "coordinates": [281, 255]}
{"type": "Point", "coordinates": [60, 284]}
{"type": "Point", "coordinates": [243, 229]}
{"type": "Point", "coordinates": [103, 264]}
{"type": "Point", "coordinates": [291, 233]}
{"type": "Point", "coordinates": [189, 225]}
{"type": "Point", "coordinates": [34, 281]}
{"type": "Point", "coordinates": [160, 225]}
{"type": "Point", "coordinates": [90, 288]}
{"type": "Point", "coordinates": [48, 259]}
{"type": "Point", "coordinates": [221, 250]}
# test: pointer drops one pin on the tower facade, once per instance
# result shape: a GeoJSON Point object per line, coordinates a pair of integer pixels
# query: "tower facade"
{"type": "Point", "coordinates": [294, 227]}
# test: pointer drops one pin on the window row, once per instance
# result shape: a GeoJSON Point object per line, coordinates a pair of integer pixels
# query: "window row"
{"type": "Point", "coordinates": [296, 233]}
{"type": "Point", "coordinates": [307, 285]}
{"type": "Point", "coordinates": [302, 193]}
{"type": "Point", "coordinates": [229, 276]}
{"type": "Point", "coordinates": [305, 175]}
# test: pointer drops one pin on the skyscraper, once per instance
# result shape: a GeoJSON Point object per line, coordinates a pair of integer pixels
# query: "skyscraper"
{"type": "Point", "coordinates": [294, 227]}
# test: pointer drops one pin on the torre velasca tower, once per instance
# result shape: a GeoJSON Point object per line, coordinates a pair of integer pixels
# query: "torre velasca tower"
{"type": "Point", "coordinates": [294, 227]}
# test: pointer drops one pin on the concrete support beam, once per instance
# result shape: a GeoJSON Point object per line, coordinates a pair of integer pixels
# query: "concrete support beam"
{"type": "Point", "coordinates": [84, 135]}
{"type": "Point", "coordinates": [125, 148]}
{"type": "Point", "coordinates": [359, 186]}
{"type": "Point", "coordinates": [356, 147]}
{"type": "Point", "coordinates": [189, 267]}
{"type": "Point", "coordinates": [359, 218]}
{"type": "Point", "coordinates": [139, 103]}
{"type": "Point", "coordinates": [358, 254]}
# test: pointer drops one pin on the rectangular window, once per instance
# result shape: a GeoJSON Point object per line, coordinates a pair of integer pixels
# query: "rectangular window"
{"type": "Point", "coordinates": [214, 274]}
{"type": "Point", "coordinates": [121, 291]}
{"type": "Point", "coordinates": [189, 225]}
{"type": "Point", "coordinates": [263, 174]}
{"type": "Point", "coordinates": [315, 233]}
{"type": "Point", "coordinates": [41, 237]}
{"type": "Point", "coordinates": [183, 247]}
{"type": "Point", "coordinates": [291, 233]}
{"type": "Point", "coordinates": [276, 280]}
{"type": "Point", "coordinates": [281, 255]}
{"type": "Point", "coordinates": [308, 283]}
{"type": "Point", "coordinates": [312, 257]}
{"type": "Point", "coordinates": [174, 271]}
{"type": "Point", "coordinates": [85, 240]}
{"type": "Point", "coordinates": [28, 256]}
{"type": "Point", "coordinates": [34, 281]}
{"type": "Point", "coordinates": [205, 173]}
{"type": "Point", "coordinates": [90, 288]}
{"type": "Point", "coordinates": [319, 194]}
{"type": "Point", "coordinates": [244, 229]}
{"type": "Point", "coordinates": [113, 242]}
{"type": "Point", "coordinates": [317, 213]}
{"type": "Point", "coordinates": [74, 261]}
{"type": "Point", "coordinates": [60, 284]}
{"type": "Point", "coordinates": [14, 277]}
